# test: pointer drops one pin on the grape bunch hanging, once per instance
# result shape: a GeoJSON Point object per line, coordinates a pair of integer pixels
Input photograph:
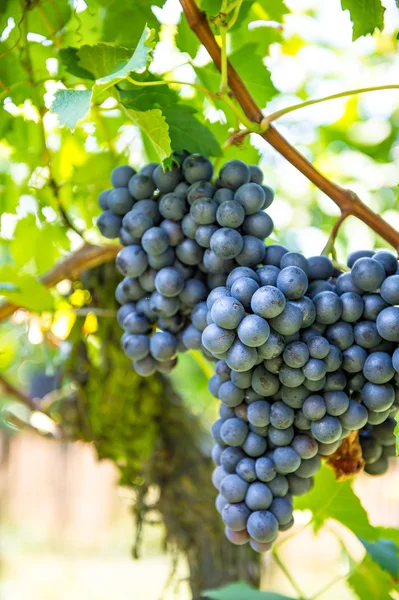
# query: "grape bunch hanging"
{"type": "Point", "coordinates": [304, 354]}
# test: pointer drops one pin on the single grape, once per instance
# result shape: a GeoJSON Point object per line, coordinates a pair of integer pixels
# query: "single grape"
{"type": "Point", "coordinates": [234, 174]}
{"type": "Point", "coordinates": [109, 224]}
{"type": "Point", "coordinates": [162, 306]}
{"type": "Point", "coordinates": [238, 538]}
{"type": "Point", "coordinates": [390, 289]}
{"type": "Point", "coordinates": [240, 357]}
{"type": "Point", "coordinates": [305, 446]}
{"type": "Point", "coordinates": [355, 417]}
{"type": "Point", "coordinates": [189, 252]}
{"type": "Point", "coordinates": [320, 267]}
{"type": "Point", "coordinates": [368, 274]}
{"type": "Point", "coordinates": [120, 176]}
{"type": "Point", "coordinates": [378, 367]}
{"type": "Point", "coordinates": [268, 302]}
{"type": "Point", "coordinates": [263, 382]}
{"type": "Point", "coordinates": [367, 334]}
{"type": "Point", "coordinates": [258, 496]}
{"type": "Point", "coordinates": [131, 261]}
{"type": "Point", "coordinates": [163, 345]}
{"type": "Point", "coordinates": [226, 243]}
{"type": "Point", "coordinates": [327, 430]}
{"type": "Point", "coordinates": [262, 526]}
{"type": "Point", "coordinates": [252, 330]}
{"type": "Point", "coordinates": [252, 252]}
{"type": "Point", "coordinates": [337, 403]}
{"type": "Point", "coordinates": [169, 282]}
{"type": "Point", "coordinates": [264, 468]}
{"type": "Point", "coordinates": [200, 189]}
{"type": "Point", "coordinates": [165, 259]}
{"type": "Point", "coordinates": [223, 195]}
{"type": "Point", "coordinates": [288, 322]}
{"type": "Point", "coordinates": [388, 324]}
{"type": "Point", "coordinates": [145, 366]}
{"type": "Point", "coordinates": [233, 488]}
{"type": "Point", "coordinates": [292, 281]}
{"type": "Point", "coordinates": [274, 254]}
{"type": "Point", "coordinates": [259, 224]}
{"type": "Point", "coordinates": [388, 261]}
{"type": "Point", "coordinates": [141, 186]}
{"type": "Point", "coordinates": [235, 516]}
{"type": "Point", "coordinates": [136, 346]}
{"type": "Point", "coordinates": [378, 397]}
{"type": "Point", "coordinates": [166, 181]}
{"type": "Point", "coordinates": [197, 167]}
{"type": "Point", "coordinates": [215, 339]}
{"type": "Point", "coordinates": [256, 174]}
{"type": "Point", "coordinates": [230, 458]}
{"type": "Point", "coordinates": [251, 196]}
{"type": "Point", "coordinates": [234, 431]}
{"type": "Point", "coordinates": [314, 408]}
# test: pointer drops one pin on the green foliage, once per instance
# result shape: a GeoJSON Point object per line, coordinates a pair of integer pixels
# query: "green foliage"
{"type": "Point", "coordinates": [241, 591]}
{"type": "Point", "coordinates": [25, 290]}
{"type": "Point", "coordinates": [186, 40]}
{"type": "Point", "coordinates": [370, 581]}
{"type": "Point", "coordinates": [385, 553]}
{"type": "Point", "coordinates": [155, 129]}
{"type": "Point", "coordinates": [366, 16]}
{"type": "Point", "coordinates": [330, 499]}
{"type": "Point", "coordinates": [71, 106]}
{"type": "Point", "coordinates": [187, 133]}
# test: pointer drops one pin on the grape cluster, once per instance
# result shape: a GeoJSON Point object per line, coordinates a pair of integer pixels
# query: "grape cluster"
{"type": "Point", "coordinates": [305, 356]}
{"type": "Point", "coordinates": [182, 235]}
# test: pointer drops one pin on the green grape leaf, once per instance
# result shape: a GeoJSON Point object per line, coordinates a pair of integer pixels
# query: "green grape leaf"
{"type": "Point", "coordinates": [275, 9]}
{"type": "Point", "coordinates": [154, 128]}
{"type": "Point", "coordinates": [187, 133]}
{"type": "Point", "coordinates": [124, 22]}
{"type": "Point", "coordinates": [251, 68]}
{"type": "Point", "coordinates": [145, 98]}
{"type": "Point", "coordinates": [71, 106]}
{"type": "Point", "coordinates": [366, 16]}
{"type": "Point", "coordinates": [102, 58]}
{"type": "Point", "coordinates": [241, 591]}
{"type": "Point", "coordinates": [185, 39]}
{"type": "Point", "coordinates": [385, 553]}
{"type": "Point", "coordinates": [32, 294]}
{"type": "Point", "coordinates": [262, 36]}
{"type": "Point", "coordinates": [137, 63]}
{"type": "Point", "coordinates": [254, 73]}
{"type": "Point", "coordinates": [45, 245]}
{"type": "Point", "coordinates": [70, 59]}
{"type": "Point", "coordinates": [370, 581]}
{"type": "Point", "coordinates": [47, 18]}
{"type": "Point", "coordinates": [211, 7]}
{"type": "Point", "coordinates": [330, 499]}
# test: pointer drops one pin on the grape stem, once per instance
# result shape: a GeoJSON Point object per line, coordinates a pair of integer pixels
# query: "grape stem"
{"type": "Point", "coordinates": [329, 248]}
{"type": "Point", "coordinates": [284, 111]}
{"type": "Point", "coordinates": [347, 200]}
{"type": "Point", "coordinates": [168, 82]}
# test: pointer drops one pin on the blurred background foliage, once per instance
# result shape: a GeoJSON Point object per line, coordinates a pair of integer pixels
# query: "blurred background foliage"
{"type": "Point", "coordinates": [50, 177]}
